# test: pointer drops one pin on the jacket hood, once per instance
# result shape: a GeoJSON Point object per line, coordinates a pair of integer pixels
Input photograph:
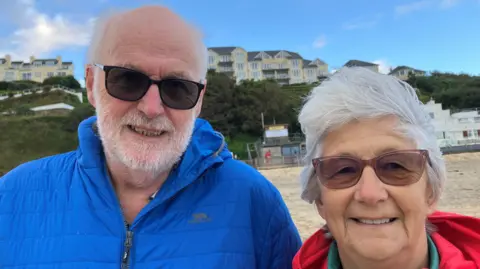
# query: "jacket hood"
{"type": "Point", "coordinates": [206, 149]}
{"type": "Point", "coordinates": [457, 240]}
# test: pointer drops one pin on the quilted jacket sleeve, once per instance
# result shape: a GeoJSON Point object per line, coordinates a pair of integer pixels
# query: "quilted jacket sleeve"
{"type": "Point", "coordinates": [282, 239]}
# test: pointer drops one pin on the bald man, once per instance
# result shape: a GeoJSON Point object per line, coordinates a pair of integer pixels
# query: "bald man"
{"type": "Point", "coordinates": [151, 185]}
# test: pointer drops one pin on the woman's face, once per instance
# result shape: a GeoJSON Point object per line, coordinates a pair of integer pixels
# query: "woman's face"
{"type": "Point", "coordinates": [349, 212]}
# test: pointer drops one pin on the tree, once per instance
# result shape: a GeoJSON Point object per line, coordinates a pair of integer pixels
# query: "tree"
{"type": "Point", "coordinates": [236, 109]}
{"type": "Point", "coordinates": [66, 81]}
{"type": "Point", "coordinates": [77, 115]}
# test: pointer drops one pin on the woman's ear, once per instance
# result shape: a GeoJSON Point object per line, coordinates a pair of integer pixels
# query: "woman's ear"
{"type": "Point", "coordinates": [320, 209]}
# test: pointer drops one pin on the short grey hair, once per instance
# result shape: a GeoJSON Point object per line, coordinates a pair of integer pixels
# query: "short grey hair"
{"type": "Point", "coordinates": [103, 23]}
{"type": "Point", "coordinates": [355, 93]}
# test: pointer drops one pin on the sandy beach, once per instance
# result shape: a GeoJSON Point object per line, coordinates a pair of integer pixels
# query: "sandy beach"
{"type": "Point", "coordinates": [461, 195]}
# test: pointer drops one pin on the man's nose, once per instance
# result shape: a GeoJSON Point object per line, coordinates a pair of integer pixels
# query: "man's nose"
{"type": "Point", "coordinates": [151, 104]}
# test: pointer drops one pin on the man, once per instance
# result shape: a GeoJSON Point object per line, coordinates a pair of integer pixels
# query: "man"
{"type": "Point", "coordinates": [150, 186]}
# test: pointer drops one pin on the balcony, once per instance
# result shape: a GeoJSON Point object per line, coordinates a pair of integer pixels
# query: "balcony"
{"type": "Point", "coordinates": [275, 68]}
{"type": "Point", "coordinates": [225, 63]}
{"type": "Point", "coordinates": [282, 76]}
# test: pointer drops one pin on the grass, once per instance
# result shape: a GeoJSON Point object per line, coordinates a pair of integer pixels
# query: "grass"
{"type": "Point", "coordinates": [238, 145]}
{"type": "Point", "coordinates": [39, 99]}
{"type": "Point", "coordinates": [24, 139]}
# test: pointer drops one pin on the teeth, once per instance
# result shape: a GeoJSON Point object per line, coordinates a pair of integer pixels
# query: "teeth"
{"type": "Point", "coordinates": [375, 222]}
{"type": "Point", "coordinates": [145, 132]}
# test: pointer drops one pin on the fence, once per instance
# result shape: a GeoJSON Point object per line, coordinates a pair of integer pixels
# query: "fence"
{"type": "Point", "coordinates": [41, 89]}
{"type": "Point", "coordinates": [276, 162]}
{"type": "Point", "coordinates": [297, 161]}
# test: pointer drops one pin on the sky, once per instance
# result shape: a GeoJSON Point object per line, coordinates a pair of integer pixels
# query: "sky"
{"type": "Point", "coordinates": [430, 35]}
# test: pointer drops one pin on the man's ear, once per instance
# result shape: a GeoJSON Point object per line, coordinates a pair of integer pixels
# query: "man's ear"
{"type": "Point", "coordinates": [89, 83]}
{"type": "Point", "coordinates": [198, 107]}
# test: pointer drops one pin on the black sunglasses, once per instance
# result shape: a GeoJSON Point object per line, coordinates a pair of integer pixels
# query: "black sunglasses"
{"type": "Point", "coordinates": [131, 85]}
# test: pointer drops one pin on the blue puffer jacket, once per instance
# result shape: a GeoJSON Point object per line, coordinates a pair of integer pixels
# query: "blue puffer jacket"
{"type": "Point", "coordinates": [212, 212]}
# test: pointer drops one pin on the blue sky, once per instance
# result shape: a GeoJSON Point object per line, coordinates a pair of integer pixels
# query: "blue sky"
{"type": "Point", "coordinates": [426, 34]}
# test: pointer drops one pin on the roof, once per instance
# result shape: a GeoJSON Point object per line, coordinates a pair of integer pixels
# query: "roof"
{"type": "Point", "coordinates": [223, 50]}
{"type": "Point", "coordinates": [313, 63]}
{"type": "Point", "coordinates": [401, 67]}
{"type": "Point", "coordinates": [67, 63]}
{"type": "Point", "coordinates": [43, 61]}
{"type": "Point", "coordinates": [352, 63]}
{"type": "Point", "coordinates": [293, 55]}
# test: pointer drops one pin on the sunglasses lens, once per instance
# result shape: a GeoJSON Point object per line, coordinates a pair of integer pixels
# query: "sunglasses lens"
{"type": "Point", "coordinates": [338, 172]}
{"type": "Point", "coordinates": [127, 85]}
{"type": "Point", "coordinates": [400, 169]}
{"type": "Point", "coordinates": [179, 93]}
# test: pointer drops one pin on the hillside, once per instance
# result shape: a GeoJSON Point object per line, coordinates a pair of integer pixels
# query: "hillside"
{"type": "Point", "coordinates": [39, 99]}
{"type": "Point", "coordinates": [27, 138]}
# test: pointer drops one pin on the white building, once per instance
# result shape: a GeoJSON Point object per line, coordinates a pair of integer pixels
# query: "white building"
{"type": "Point", "coordinates": [452, 129]}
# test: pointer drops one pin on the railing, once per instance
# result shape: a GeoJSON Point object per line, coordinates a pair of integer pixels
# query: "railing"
{"type": "Point", "coordinates": [41, 89]}
{"type": "Point", "coordinates": [276, 162]}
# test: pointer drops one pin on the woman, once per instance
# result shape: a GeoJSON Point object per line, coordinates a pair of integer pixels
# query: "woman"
{"type": "Point", "coordinates": [375, 174]}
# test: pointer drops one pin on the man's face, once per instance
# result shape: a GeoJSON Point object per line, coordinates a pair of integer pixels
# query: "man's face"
{"type": "Point", "coordinates": [145, 135]}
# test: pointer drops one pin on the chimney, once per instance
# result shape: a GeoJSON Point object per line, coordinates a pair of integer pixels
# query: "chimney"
{"type": "Point", "coordinates": [32, 58]}
{"type": "Point", "coordinates": [59, 60]}
{"type": "Point", "coordinates": [8, 60]}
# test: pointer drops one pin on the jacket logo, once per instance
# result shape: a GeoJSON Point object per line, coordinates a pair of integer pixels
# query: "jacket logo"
{"type": "Point", "coordinates": [199, 218]}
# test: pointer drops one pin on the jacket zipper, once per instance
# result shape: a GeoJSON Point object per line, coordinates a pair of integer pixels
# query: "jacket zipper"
{"type": "Point", "coordinates": [127, 246]}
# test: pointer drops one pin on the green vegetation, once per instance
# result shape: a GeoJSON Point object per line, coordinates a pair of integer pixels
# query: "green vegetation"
{"type": "Point", "coordinates": [25, 138]}
{"type": "Point", "coordinates": [21, 85]}
{"type": "Point", "coordinates": [453, 91]}
{"type": "Point", "coordinates": [67, 81]}
{"type": "Point", "coordinates": [38, 99]}
{"type": "Point", "coordinates": [234, 110]}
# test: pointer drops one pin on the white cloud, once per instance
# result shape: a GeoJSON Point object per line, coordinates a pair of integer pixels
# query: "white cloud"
{"type": "Point", "coordinates": [424, 4]}
{"type": "Point", "coordinates": [320, 42]}
{"type": "Point", "coordinates": [40, 34]}
{"type": "Point", "coordinates": [412, 7]}
{"type": "Point", "coordinates": [449, 3]}
{"type": "Point", "coordinates": [383, 66]}
{"type": "Point", "coordinates": [362, 22]}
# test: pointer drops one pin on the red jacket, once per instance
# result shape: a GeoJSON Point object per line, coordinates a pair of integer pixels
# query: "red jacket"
{"type": "Point", "coordinates": [457, 240]}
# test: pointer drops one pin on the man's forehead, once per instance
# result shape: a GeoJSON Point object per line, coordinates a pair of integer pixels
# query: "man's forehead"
{"type": "Point", "coordinates": [151, 46]}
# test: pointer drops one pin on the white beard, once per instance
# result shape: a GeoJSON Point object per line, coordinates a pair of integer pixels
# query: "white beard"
{"type": "Point", "coordinates": [145, 155]}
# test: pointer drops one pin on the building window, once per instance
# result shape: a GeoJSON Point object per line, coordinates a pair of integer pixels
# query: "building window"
{"type": "Point", "coordinates": [211, 59]}
{"type": "Point", "coordinates": [50, 74]}
{"type": "Point", "coordinates": [239, 66]}
{"type": "Point", "coordinates": [225, 58]}
{"type": "Point", "coordinates": [62, 74]}
{"type": "Point", "coordinates": [296, 73]}
{"type": "Point", "coordinates": [465, 134]}
{"type": "Point", "coordinates": [254, 65]}
{"type": "Point", "coordinates": [295, 63]}
{"type": "Point", "coordinates": [27, 76]}
{"type": "Point", "coordinates": [38, 74]}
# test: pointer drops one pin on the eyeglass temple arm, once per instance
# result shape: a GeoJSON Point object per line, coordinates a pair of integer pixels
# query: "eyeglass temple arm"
{"type": "Point", "coordinates": [99, 65]}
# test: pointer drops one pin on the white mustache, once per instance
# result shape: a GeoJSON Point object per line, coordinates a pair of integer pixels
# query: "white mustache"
{"type": "Point", "coordinates": [136, 119]}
